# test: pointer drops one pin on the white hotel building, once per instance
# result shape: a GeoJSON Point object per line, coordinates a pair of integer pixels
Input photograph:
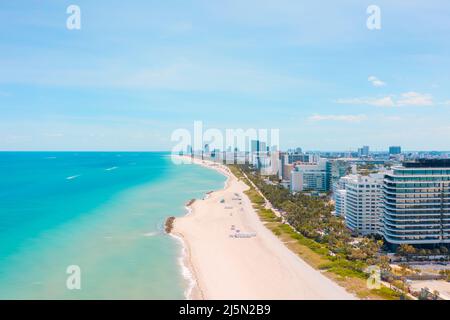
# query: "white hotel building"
{"type": "Point", "coordinates": [311, 176]}
{"type": "Point", "coordinates": [340, 197]}
{"type": "Point", "coordinates": [361, 202]}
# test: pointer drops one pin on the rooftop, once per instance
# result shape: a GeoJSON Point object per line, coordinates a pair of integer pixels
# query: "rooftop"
{"type": "Point", "coordinates": [427, 163]}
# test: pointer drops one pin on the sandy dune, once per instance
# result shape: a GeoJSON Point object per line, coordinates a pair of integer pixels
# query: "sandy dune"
{"type": "Point", "coordinates": [259, 267]}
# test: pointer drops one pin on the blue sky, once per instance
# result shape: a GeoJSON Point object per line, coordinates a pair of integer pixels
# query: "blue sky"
{"type": "Point", "coordinates": [138, 70]}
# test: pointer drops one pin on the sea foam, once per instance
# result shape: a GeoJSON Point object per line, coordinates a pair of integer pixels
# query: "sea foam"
{"type": "Point", "coordinates": [72, 177]}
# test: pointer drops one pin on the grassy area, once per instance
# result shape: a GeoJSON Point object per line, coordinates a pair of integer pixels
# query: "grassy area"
{"type": "Point", "coordinates": [343, 268]}
{"type": "Point", "coordinates": [255, 197]}
{"type": "Point", "coordinates": [346, 273]}
{"type": "Point", "coordinates": [268, 216]}
{"type": "Point", "coordinates": [386, 293]}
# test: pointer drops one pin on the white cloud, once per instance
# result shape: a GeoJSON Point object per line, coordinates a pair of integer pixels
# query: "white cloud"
{"type": "Point", "coordinates": [413, 99]}
{"type": "Point", "coordinates": [382, 102]}
{"type": "Point", "coordinates": [376, 102]}
{"type": "Point", "coordinates": [343, 118]}
{"type": "Point", "coordinates": [392, 118]}
{"type": "Point", "coordinates": [376, 82]}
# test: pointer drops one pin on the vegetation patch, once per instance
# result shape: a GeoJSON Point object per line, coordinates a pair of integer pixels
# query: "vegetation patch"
{"type": "Point", "coordinates": [387, 293]}
{"type": "Point", "coordinates": [344, 268]}
{"type": "Point", "coordinates": [267, 215]}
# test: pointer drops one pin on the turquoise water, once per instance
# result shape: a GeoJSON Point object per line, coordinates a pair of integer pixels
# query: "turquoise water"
{"type": "Point", "coordinates": [103, 212]}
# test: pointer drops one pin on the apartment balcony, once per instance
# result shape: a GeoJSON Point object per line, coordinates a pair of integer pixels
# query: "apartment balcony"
{"type": "Point", "coordinates": [403, 195]}
{"type": "Point", "coordinates": [416, 211]}
{"type": "Point", "coordinates": [417, 207]}
{"type": "Point", "coordinates": [419, 230]}
{"type": "Point", "coordinates": [411, 221]}
{"type": "Point", "coordinates": [417, 235]}
{"type": "Point", "coordinates": [414, 229]}
{"type": "Point", "coordinates": [414, 240]}
{"type": "Point", "coordinates": [434, 184]}
{"type": "Point", "coordinates": [400, 220]}
{"type": "Point", "coordinates": [415, 187]}
{"type": "Point", "coordinates": [396, 197]}
{"type": "Point", "coordinates": [396, 177]}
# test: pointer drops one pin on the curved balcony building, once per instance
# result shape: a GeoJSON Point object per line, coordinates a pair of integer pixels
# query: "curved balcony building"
{"type": "Point", "coordinates": [416, 203]}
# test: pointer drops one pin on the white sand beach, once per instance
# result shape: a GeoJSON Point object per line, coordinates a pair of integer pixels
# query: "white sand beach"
{"type": "Point", "coordinates": [257, 267]}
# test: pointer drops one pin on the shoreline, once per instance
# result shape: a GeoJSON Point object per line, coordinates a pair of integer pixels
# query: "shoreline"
{"type": "Point", "coordinates": [193, 291]}
{"type": "Point", "coordinates": [233, 263]}
{"type": "Point", "coordinates": [186, 270]}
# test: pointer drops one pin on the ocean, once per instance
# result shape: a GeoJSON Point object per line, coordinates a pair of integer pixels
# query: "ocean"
{"type": "Point", "coordinates": [102, 212]}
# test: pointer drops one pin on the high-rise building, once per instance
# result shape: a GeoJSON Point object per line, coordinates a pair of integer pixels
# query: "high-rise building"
{"type": "Point", "coordinates": [270, 163]}
{"type": "Point", "coordinates": [364, 151]}
{"type": "Point", "coordinates": [297, 157]}
{"type": "Point", "coordinates": [286, 172]}
{"type": "Point", "coordinates": [340, 197]}
{"type": "Point", "coordinates": [417, 203]}
{"type": "Point", "coordinates": [262, 147]}
{"type": "Point", "coordinates": [258, 146]}
{"type": "Point", "coordinates": [363, 203]}
{"type": "Point", "coordinates": [258, 152]}
{"type": "Point", "coordinates": [296, 181]}
{"type": "Point", "coordinates": [394, 150]}
{"type": "Point", "coordinates": [313, 157]}
{"type": "Point", "coordinates": [311, 176]}
{"type": "Point", "coordinates": [360, 152]}
{"type": "Point", "coordinates": [254, 146]}
{"type": "Point", "coordinates": [339, 194]}
{"type": "Point", "coordinates": [339, 169]}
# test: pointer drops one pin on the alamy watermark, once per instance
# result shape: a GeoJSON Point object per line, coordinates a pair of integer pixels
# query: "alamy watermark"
{"type": "Point", "coordinates": [73, 22]}
{"type": "Point", "coordinates": [73, 281]}
{"type": "Point", "coordinates": [229, 145]}
{"type": "Point", "coordinates": [374, 20]}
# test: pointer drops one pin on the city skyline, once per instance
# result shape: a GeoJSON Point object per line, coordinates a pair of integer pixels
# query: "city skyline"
{"type": "Point", "coordinates": [136, 72]}
{"type": "Point", "coordinates": [236, 150]}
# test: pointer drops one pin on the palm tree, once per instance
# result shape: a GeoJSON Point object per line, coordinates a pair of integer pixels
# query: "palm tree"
{"type": "Point", "coordinates": [406, 250]}
{"type": "Point", "coordinates": [384, 264]}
